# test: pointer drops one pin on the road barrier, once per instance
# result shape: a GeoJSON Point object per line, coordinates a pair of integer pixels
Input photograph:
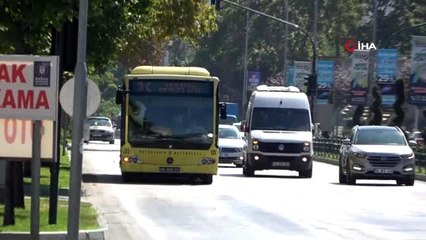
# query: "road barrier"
{"type": "Point", "coordinates": [329, 148]}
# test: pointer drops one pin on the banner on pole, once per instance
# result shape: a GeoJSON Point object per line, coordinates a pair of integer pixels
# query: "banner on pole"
{"type": "Point", "coordinates": [386, 67]}
{"type": "Point", "coordinates": [325, 81]}
{"type": "Point", "coordinates": [417, 89]}
{"type": "Point", "coordinates": [359, 83]}
{"type": "Point", "coordinates": [301, 70]}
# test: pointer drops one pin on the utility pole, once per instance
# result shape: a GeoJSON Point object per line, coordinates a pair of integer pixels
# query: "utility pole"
{"type": "Point", "coordinates": [245, 80]}
{"type": "Point", "coordinates": [285, 62]}
{"type": "Point", "coordinates": [297, 27]}
{"type": "Point", "coordinates": [79, 114]}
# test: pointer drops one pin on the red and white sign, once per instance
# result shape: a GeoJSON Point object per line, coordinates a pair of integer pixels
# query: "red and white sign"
{"type": "Point", "coordinates": [16, 139]}
{"type": "Point", "coordinates": [28, 87]}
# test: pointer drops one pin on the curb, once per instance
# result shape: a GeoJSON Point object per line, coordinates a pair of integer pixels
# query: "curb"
{"type": "Point", "coordinates": [98, 234]}
{"type": "Point", "coordinates": [419, 177]}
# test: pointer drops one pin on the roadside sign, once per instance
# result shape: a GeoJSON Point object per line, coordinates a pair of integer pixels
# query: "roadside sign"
{"type": "Point", "coordinates": [16, 139]}
{"type": "Point", "coordinates": [66, 97]}
{"type": "Point", "coordinates": [28, 87]}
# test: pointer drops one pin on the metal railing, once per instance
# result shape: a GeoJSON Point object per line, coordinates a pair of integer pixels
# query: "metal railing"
{"type": "Point", "coordinates": [329, 148]}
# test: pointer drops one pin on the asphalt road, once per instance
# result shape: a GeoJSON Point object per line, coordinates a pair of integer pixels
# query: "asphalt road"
{"type": "Point", "coordinates": [271, 205]}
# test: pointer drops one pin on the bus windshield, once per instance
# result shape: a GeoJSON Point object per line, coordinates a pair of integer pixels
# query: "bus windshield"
{"type": "Point", "coordinates": [280, 119]}
{"type": "Point", "coordinates": [181, 120]}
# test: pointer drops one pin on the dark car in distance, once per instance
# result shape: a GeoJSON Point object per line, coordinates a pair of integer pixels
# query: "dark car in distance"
{"type": "Point", "coordinates": [377, 152]}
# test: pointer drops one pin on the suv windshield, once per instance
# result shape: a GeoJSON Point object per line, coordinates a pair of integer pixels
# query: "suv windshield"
{"type": "Point", "coordinates": [380, 137]}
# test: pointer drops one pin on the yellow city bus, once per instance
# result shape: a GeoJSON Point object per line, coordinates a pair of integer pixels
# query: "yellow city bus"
{"type": "Point", "coordinates": [169, 122]}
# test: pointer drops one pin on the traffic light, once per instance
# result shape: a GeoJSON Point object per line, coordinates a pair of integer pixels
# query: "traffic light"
{"type": "Point", "coordinates": [311, 84]}
{"type": "Point", "coordinates": [222, 110]}
{"type": "Point", "coordinates": [216, 3]}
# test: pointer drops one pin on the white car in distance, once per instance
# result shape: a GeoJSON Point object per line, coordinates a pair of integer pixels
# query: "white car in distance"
{"type": "Point", "coordinates": [231, 145]}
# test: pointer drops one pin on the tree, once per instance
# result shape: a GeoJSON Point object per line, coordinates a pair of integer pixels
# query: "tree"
{"type": "Point", "coordinates": [399, 103]}
{"type": "Point", "coordinates": [375, 107]}
{"type": "Point", "coordinates": [356, 118]}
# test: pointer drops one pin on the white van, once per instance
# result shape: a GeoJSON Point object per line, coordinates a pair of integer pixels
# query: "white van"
{"type": "Point", "coordinates": [278, 128]}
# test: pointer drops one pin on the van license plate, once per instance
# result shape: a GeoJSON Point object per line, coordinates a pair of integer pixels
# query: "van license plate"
{"type": "Point", "coordinates": [280, 164]}
{"type": "Point", "coordinates": [169, 169]}
{"type": "Point", "coordinates": [383, 171]}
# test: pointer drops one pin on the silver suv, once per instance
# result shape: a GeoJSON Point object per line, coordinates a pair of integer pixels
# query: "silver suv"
{"type": "Point", "coordinates": [377, 152]}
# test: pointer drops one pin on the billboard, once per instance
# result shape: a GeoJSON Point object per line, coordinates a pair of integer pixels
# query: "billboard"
{"type": "Point", "coordinates": [359, 83]}
{"type": "Point", "coordinates": [253, 80]}
{"type": "Point", "coordinates": [417, 89]}
{"type": "Point", "coordinates": [301, 70]}
{"type": "Point", "coordinates": [386, 70]}
{"type": "Point", "coordinates": [325, 80]}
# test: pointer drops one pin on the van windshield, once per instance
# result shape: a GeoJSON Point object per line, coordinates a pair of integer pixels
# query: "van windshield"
{"type": "Point", "coordinates": [280, 119]}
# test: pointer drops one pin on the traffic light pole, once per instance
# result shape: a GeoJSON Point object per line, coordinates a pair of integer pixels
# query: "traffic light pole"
{"type": "Point", "coordinates": [297, 27]}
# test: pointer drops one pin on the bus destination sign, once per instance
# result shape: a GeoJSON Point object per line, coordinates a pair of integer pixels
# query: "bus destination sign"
{"type": "Point", "coordinates": [170, 87]}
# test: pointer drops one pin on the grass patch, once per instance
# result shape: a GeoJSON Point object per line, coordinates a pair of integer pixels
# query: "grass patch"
{"type": "Point", "coordinates": [88, 217]}
{"type": "Point", "coordinates": [64, 174]}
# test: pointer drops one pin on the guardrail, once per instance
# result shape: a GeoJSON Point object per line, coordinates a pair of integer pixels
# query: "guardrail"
{"type": "Point", "coordinates": [329, 148]}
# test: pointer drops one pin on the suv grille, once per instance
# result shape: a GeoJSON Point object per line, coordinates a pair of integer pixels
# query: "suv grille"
{"type": "Point", "coordinates": [384, 161]}
{"type": "Point", "coordinates": [275, 147]}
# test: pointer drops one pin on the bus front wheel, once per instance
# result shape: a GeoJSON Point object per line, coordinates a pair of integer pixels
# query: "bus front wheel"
{"type": "Point", "coordinates": [208, 179]}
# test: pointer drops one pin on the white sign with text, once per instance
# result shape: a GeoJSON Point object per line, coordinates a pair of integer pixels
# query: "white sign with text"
{"type": "Point", "coordinates": [16, 139]}
{"type": "Point", "coordinates": [28, 87]}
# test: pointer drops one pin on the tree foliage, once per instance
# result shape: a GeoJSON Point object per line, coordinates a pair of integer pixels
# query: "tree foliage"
{"type": "Point", "coordinates": [397, 106]}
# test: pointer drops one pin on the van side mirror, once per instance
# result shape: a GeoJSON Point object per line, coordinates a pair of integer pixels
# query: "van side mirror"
{"type": "Point", "coordinates": [222, 111]}
{"type": "Point", "coordinates": [119, 96]}
{"type": "Point", "coordinates": [346, 142]}
{"type": "Point", "coordinates": [412, 143]}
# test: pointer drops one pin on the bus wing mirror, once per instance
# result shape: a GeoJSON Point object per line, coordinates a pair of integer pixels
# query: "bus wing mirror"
{"type": "Point", "coordinates": [222, 110]}
{"type": "Point", "coordinates": [119, 96]}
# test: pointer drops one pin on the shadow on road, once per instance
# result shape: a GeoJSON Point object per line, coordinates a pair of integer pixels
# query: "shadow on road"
{"type": "Point", "coordinates": [368, 184]}
{"type": "Point", "coordinates": [145, 179]}
{"type": "Point", "coordinates": [258, 176]}
{"type": "Point", "coordinates": [100, 150]}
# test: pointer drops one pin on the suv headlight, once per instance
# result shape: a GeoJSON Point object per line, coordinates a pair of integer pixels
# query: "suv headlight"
{"type": "Point", "coordinates": [359, 154]}
{"type": "Point", "coordinates": [408, 156]}
{"type": "Point", "coordinates": [255, 144]}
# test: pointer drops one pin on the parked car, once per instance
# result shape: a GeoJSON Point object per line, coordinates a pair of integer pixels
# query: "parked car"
{"type": "Point", "coordinates": [231, 145]}
{"type": "Point", "coordinates": [377, 152]}
{"type": "Point", "coordinates": [99, 129]}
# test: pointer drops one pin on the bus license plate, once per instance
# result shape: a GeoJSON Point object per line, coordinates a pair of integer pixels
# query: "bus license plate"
{"type": "Point", "coordinates": [281, 164]}
{"type": "Point", "coordinates": [383, 171]}
{"type": "Point", "coordinates": [169, 169]}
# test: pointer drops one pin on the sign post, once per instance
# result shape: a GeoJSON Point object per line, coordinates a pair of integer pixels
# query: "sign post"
{"type": "Point", "coordinates": [28, 91]}
{"type": "Point", "coordinates": [35, 181]}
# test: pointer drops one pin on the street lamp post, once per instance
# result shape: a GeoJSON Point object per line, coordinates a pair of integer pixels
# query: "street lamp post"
{"type": "Point", "coordinates": [297, 27]}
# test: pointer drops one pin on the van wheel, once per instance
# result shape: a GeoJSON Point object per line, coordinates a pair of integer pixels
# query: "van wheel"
{"type": "Point", "coordinates": [248, 171]}
{"type": "Point", "coordinates": [111, 141]}
{"type": "Point", "coordinates": [306, 173]}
